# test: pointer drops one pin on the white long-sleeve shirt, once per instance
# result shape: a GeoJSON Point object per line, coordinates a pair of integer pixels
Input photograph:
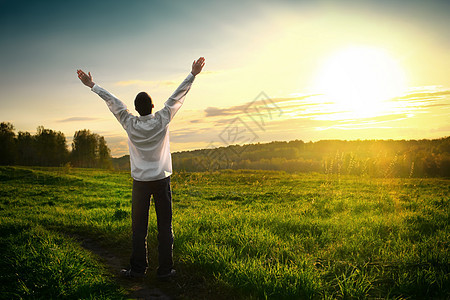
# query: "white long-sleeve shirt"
{"type": "Point", "coordinates": [148, 136]}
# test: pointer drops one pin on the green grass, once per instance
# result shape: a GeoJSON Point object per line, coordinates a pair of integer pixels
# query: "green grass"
{"type": "Point", "coordinates": [40, 264]}
{"type": "Point", "coordinates": [238, 234]}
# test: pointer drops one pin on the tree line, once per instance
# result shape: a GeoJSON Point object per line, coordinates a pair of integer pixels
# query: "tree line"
{"type": "Point", "coordinates": [49, 148]}
{"type": "Point", "coordinates": [376, 158]}
{"type": "Point", "coordinates": [379, 158]}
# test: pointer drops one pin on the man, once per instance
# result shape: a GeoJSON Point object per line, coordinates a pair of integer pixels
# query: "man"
{"type": "Point", "coordinates": [151, 167]}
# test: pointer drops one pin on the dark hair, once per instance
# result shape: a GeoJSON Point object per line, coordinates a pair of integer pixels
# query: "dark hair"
{"type": "Point", "coordinates": [143, 104]}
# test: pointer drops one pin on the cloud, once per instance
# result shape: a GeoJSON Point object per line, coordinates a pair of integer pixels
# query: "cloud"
{"type": "Point", "coordinates": [435, 105]}
{"type": "Point", "coordinates": [384, 119]}
{"type": "Point", "coordinates": [192, 135]}
{"type": "Point", "coordinates": [314, 107]}
{"type": "Point", "coordinates": [423, 96]}
{"type": "Point", "coordinates": [77, 119]}
{"type": "Point", "coordinates": [215, 111]}
{"type": "Point", "coordinates": [260, 104]}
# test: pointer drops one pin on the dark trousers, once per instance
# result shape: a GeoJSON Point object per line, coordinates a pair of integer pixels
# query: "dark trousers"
{"type": "Point", "coordinates": [162, 196]}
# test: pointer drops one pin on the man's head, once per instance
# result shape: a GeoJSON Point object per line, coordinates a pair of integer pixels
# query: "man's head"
{"type": "Point", "coordinates": [143, 104]}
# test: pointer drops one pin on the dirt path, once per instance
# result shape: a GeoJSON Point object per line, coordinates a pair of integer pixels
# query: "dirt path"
{"type": "Point", "coordinates": [137, 289]}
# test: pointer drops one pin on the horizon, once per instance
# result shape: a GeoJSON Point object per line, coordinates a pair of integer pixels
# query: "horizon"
{"type": "Point", "coordinates": [273, 141]}
{"type": "Point", "coordinates": [307, 142]}
{"type": "Point", "coordinates": [291, 70]}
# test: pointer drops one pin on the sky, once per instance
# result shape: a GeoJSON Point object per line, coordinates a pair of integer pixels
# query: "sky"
{"type": "Point", "coordinates": [275, 70]}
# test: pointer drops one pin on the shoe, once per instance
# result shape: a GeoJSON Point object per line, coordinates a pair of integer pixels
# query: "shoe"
{"type": "Point", "coordinates": [167, 276]}
{"type": "Point", "coordinates": [130, 274]}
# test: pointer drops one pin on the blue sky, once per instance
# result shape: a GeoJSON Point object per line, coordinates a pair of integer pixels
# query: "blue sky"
{"type": "Point", "coordinates": [251, 46]}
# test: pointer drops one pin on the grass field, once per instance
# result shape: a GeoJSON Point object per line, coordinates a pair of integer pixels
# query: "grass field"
{"type": "Point", "coordinates": [238, 235]}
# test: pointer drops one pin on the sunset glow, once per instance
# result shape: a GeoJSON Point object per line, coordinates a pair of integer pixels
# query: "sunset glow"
{"type": "Point", "coordinates": [360, 80]}
{"type": "Point", "coordinates": [329, 69]}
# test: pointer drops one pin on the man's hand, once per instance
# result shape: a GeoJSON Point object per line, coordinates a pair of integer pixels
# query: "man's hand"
{"type": "Point", "coordinates": [197, 66]}
{"type": "Point", "coordinates": [86, 79]}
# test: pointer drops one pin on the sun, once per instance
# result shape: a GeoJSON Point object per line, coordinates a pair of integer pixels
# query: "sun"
{"type": "Point", "coordinates": [360, 80]}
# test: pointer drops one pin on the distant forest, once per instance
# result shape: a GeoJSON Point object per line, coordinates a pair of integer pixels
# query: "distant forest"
{"type": "Point", "coordinates": [48, 148]}
{"type": "Point", "coordinates": [379, 158]}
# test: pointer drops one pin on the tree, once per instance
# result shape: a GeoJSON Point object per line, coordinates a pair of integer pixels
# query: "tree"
{"type": "Point", "coordinates": [104, 154]}
{"type": "Point", "coordinates": [50, 147]}
{"type": "Point", "coordinates": [90, 150]}
{"type": "Point", "coordinates": [84, 148]}
{"type": "Point", "coordinates": [26, 149]}
{"type": "Point", "coordinates": [7, 142]}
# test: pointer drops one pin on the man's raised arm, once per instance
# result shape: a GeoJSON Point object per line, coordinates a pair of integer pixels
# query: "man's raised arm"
{"type": "Point", "coordinates": [197, 66]}
{"type": "Point", "coordinates": [85, 79]}
{"type": "Point", "coordinates": [117, 107]}
{"type": "Point", "coordinates": [173, 104]}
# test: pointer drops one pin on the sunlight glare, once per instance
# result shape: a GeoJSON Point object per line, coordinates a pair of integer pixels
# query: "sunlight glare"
{"type": "Point", "coordinates": [360, 80]}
